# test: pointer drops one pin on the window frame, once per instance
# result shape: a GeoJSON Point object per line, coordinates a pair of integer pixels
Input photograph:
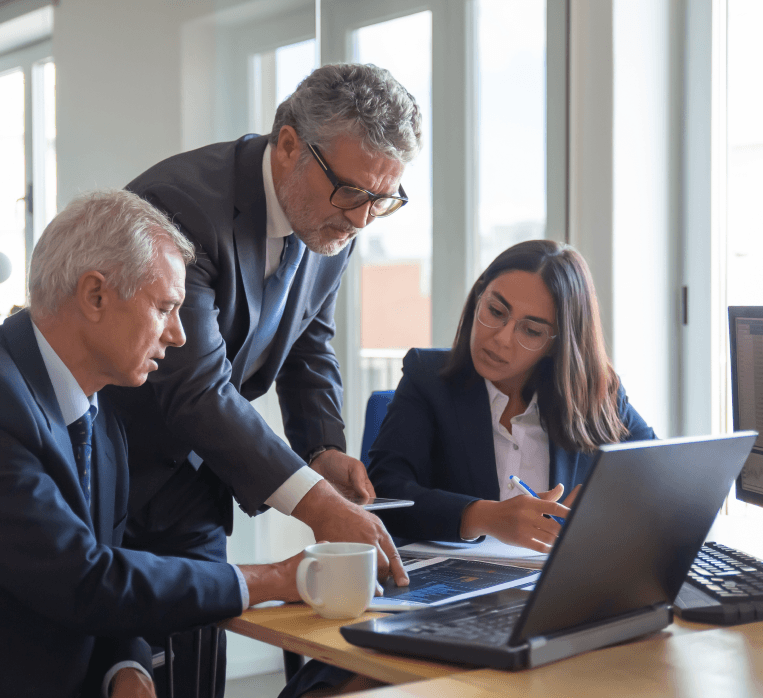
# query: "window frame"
{"type": "Point", "coordinates": [28, 59]}
{"type": "Point", "coordinates": [454, 163]}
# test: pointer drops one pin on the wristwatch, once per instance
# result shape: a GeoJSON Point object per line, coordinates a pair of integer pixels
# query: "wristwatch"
{"type": "Point", "coordinates": [317, 452]}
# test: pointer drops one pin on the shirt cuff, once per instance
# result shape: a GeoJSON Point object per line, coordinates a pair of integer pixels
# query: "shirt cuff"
{"type": "Point", "coordinates": [288, 495]}
{"type": "Point", "coordinates": [242, 587]}
{"type": "Point", "coordinates": [111, 673]}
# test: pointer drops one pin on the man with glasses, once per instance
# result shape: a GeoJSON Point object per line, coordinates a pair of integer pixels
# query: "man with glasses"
{"type": "Point", "coordinates": [273, 220]}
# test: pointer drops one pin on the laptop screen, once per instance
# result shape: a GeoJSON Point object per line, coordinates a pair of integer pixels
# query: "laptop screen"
{"type": "Point", "coordinates": [634, 530]}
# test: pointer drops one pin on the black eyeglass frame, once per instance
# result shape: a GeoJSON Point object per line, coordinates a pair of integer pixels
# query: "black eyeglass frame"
{"type": "Point", "coordinates": [338, 184]}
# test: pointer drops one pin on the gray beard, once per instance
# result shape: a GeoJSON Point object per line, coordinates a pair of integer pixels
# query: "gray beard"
{"type": "Point", "coordinates": [318, 240]}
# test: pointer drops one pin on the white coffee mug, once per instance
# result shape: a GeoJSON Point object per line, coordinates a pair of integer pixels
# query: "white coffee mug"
{"type": "Point", "coordinates": [338, 579]}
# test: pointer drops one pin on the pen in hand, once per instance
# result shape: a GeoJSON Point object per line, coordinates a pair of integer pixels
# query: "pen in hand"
{"type": "Point", "coordinates": [522, 487]}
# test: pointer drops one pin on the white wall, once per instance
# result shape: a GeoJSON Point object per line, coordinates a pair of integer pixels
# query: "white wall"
{"type": "Point", "coordinates": [118, 75]}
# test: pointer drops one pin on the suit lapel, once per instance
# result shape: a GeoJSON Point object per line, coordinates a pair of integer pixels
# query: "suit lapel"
{"type": "Point", "coordinates": [472, 409]}
{"type": "Point", "coordinates": [23, 348]}
{"type": "Point", "coordinates": [250, 238]}
{"type": "Point", "coordinates": [563, 467]}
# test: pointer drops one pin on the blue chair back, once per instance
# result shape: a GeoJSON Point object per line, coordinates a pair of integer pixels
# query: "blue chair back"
{"type": "Point", "coordinates": [375, 413]}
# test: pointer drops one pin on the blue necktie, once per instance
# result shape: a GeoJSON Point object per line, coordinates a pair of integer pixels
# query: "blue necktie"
{"type": "Point", "coordinates": [275, 294]}
{"type": "Point", "coordinates": [81, 434]}
{"type": "Point", "coordinates": [274, 299]}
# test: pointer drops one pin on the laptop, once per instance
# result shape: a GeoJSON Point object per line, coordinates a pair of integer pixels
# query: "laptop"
{"type": "Point", "coordinates": [617, 566]}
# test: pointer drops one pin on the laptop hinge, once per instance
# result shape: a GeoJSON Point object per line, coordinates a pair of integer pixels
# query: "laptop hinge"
{"type": "Point", "coordinates": [545, 649]}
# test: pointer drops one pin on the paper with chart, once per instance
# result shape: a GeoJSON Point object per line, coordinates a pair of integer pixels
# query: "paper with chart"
{"type": "Point", "coordinates": [490, 550]}
{"type": "Point", "coordinates": [441, 580]}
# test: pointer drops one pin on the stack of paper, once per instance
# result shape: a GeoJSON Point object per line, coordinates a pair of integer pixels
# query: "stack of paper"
{"type": "Point", "coordinates": [490, 550]}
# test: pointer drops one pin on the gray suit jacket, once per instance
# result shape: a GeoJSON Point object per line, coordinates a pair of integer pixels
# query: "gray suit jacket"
{"type": "Point", "coordinates": [198, 400]}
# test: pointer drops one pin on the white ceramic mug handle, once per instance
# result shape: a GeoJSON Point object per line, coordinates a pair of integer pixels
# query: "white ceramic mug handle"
{"type": "Point", "coordinates": [304, 566]}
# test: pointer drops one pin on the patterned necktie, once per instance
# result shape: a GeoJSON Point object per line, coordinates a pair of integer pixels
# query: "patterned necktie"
{"type": "Point", "coordinates": [81, 434]}
{"type": "Point", "coordinates": [276, 292]}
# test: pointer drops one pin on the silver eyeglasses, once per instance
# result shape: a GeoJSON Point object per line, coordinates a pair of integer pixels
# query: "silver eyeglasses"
{"type": "Point", "coordinates": [531, 335]}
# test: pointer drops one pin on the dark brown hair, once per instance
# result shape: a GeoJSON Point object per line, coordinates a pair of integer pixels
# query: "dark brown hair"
{"type": "Point", "coordinates": [576, 384]}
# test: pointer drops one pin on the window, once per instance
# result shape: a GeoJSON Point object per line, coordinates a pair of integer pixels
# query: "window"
{"type": "Point", "coordinates": [28, 157]}
{"type": "Point", "coordinates": [396, 252]}
{"type": "Point", "coordinates": [744, 184]}
{"type": "Point", "coordinates": [511, 54]}
{"type": "Point", "coordinates": [275, 74]}
{"type": "Point", "coordinates": [744, 243]}
{"type": "Point", "coordinates": [12, 192]}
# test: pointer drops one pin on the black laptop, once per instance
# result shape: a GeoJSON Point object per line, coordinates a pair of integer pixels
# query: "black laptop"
{"type": "Point", "coordinates": [620, 560]}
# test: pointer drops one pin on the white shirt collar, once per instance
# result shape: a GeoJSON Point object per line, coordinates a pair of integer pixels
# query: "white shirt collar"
{"type": "Point", "coordinates": [278, 225]}
{"type": "Point", "coordinates": [71, 398]}
{"type": "Point", "coordinates": [499, 400]}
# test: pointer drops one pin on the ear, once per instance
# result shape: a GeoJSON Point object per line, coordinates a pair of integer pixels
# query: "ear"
{"type": "Point", "coordinates": [288, 148]}
{"type": "Point", "coordinates": [92, 295]}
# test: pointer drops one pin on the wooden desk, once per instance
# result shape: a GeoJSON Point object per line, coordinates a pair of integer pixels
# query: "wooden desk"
{"type": "Point", "coordinates": [689, 660]}
{"type": "Point", "coordinates": [722, 662]}
{"type": "Point", "coordinates": [686, 660]}
{"type": "Point", "coordinates": [297, 628]}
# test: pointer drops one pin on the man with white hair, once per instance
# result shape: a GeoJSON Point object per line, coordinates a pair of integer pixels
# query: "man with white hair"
{"type": "Point", "coordinates": [273, 220]}
{"type": "Point", "coordinates": [107, 279]}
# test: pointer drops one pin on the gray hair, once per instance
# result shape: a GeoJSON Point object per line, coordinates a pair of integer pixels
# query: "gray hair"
{"type": "Point", "coordinates": [364, 100]}
{"type": "Point", "coordinates": [111, 231]}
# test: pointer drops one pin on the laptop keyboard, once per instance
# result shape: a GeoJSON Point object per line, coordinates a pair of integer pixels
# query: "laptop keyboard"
{"type": "Point", "coordinates": [490, 627]}
{"type": "Point", "coordinates": [732, 580]}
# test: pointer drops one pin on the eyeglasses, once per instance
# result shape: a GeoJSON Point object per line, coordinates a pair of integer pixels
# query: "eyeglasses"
{"type": "Point", "coordinates": [531, 335]}
{"type": "Point", "coordinates": [348, 197]}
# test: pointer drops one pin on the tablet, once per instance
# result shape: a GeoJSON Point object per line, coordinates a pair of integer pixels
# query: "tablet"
{"type": "Point", "coordinates": [371, 504]}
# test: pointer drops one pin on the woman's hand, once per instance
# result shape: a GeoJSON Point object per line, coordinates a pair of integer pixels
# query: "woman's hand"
{"type": "Point", "coordinates": [521, 520]}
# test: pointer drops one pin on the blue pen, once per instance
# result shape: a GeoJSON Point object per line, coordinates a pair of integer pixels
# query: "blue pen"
{"type": "Point", "coordinates": [526, 490]}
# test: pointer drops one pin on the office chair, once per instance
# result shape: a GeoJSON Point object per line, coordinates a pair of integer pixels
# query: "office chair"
{"type": "Point", "coordinates": [167, 661]}
{"type": "Point", "coordinates": [375, 412]}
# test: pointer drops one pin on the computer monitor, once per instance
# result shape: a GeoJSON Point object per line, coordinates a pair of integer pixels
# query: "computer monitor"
{"type": "Point", "coordinates": [746, 334]}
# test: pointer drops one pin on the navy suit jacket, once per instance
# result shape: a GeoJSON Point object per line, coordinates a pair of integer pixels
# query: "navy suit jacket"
{"type": "Point", "coordinates": [198, 399]}
{"type": "Point", "coordinates": [435, 447]}
{"type": "Point", "coordinates": [69, 597]}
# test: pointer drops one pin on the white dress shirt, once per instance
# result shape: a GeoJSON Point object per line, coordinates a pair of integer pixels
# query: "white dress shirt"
{"type": "Point", "coordinates": [524, 451]}
{"type": "Point", "coordinates": [291, 492]}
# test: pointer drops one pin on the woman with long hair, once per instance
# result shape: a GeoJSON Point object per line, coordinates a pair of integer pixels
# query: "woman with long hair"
{"type": "Point", "coordinates": [527, 389]}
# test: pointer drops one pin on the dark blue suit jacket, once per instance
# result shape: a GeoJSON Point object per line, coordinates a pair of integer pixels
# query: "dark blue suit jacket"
{"type": "Point", "coordinates": [435, 447]}
{"type": "Point", "coordinates": [68, 594]}
{"type": "Point", "coordinates": [198, 399]}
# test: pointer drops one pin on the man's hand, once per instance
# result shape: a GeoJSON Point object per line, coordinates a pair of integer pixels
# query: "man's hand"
{"type": "Point", "coordinates": [334, 519]}
{"type": "Point", "coordinates": [276, 582]}
{"type": "Point", "coordinates": [521, 520]}
{"type": "Point", "coordinates": [346, 473]}
{"type": "Point", "coordinates": [131, 683]}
